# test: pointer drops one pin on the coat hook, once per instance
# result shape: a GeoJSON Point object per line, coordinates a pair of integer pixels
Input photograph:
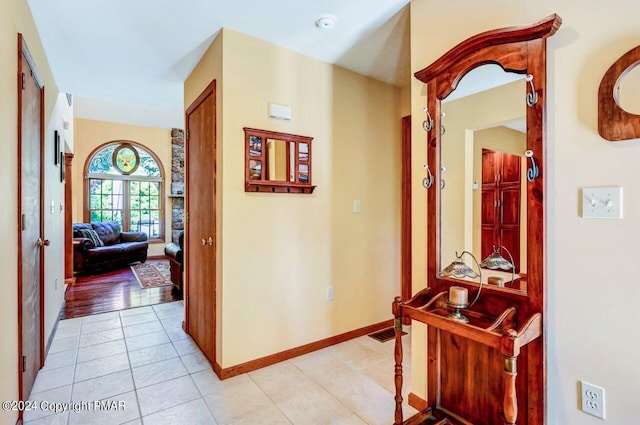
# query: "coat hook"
{"type": "Point", "coordinates": [533, 171]}
{"type": "Point", "coordinates": [532, 98]}
{"type": "Point", "coordinates": [427, 124]}
{"type": "Point", "coordinates": [427, 181]}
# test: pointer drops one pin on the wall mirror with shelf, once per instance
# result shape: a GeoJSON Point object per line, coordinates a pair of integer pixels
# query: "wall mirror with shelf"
{"type": "Point", "coordinates": [277, 162]}
{"type": "Point", "coordinates": [487, 369]}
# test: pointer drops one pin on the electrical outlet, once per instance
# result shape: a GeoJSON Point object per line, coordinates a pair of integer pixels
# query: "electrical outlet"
{"type": "Point", "coordinates": [356, 206]}
{"type": "Point", "coordinates": [592, 399]}
{"type": "Point", "coordinates": [329, 293]}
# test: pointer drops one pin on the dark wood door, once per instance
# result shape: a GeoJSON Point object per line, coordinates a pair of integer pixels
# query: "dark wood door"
{"type": "Point", "coordinates": [200, 236]}
{"type": "Point", "coordinates": [500, 210]}
{"type": "Point", "coordinates": [31, 256]}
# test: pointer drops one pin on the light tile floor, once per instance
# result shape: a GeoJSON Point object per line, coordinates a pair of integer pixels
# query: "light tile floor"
{"type": "Point", "coordinates": [143, 358]}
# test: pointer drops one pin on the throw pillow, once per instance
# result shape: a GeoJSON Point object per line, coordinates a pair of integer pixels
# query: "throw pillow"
{"type": "Point", "coordinates": [93, 236]}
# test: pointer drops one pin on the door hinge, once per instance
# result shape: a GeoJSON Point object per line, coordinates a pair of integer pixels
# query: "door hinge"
{"type": "Point", "coordinates": [23, 219]}
{"type": "Point", "coordinates": [188, 134]}
{"type": "Point", "coordinates": [186, 217]}
{"type": "Point", "coordinates": [24, 363]}
{"type": "Point", "coordinates": [22, 81]}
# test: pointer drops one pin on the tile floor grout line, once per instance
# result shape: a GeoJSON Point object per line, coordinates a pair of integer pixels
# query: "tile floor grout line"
{"type": "Point", "coordinates": [133, 381]}
{"type": "Point", "coordinates": [73, 375]}
{"type": "Point", "coordinates": [269, 397]}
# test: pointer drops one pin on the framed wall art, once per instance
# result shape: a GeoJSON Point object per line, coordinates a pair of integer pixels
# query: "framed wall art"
{"type": "Point", "coordinates": [56, 149]}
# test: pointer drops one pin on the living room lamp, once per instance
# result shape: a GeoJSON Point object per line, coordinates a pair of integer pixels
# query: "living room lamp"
{"type": "Point", "coordinates": [495, 261]}
{"type": "Point", "coordinates": [458, 295]}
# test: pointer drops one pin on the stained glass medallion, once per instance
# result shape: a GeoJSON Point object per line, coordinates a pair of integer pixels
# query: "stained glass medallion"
{"type": "Point", "coordinates": [126, 159]}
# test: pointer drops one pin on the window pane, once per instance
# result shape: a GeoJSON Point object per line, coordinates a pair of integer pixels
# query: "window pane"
{"type": "Point", "coordinates": [95, 186]}
{"type": "Point", "coordinates": [101, 161]}
{"type": "Point", "coordinates": [144, 202]}
{"type": "Point", "coordinates": [135, 220]}
{"type": "Point", "coordinates": [117, 202]}
{"type": "Point", "coordinates": [94, 202]}
{"type": "Point", "coordinates": [95, 216]}
{"type": "Point", "coordinates": [155, 188]}
{"type": "Point", "coordinates": [106, 202]}
{"type": "Point", "coordinates": [148, 165]}
{"type": "Point", "coordinates": [154, 203]}
{"type": "Point", "coordinates": [135, 202]}
{"type": "Point", "coordinates": [117, 216]}
{"type": "Point", "coordinates": [134, 187]}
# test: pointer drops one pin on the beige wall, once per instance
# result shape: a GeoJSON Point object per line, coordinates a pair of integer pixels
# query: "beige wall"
{"type": "Point", "coordinates": [585, 338]}
{"type": "Point", "coordinates": [90, 134]}
{"type": "Point", "coordinates": [16, 17]}
{"type": "Point", "coordinates": [299, 245]}
{"type": "Point", "coordinates": [54, 209]}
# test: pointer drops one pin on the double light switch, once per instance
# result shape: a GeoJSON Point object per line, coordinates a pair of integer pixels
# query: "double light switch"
{"type": "Point", "coordinates": [602, 202]}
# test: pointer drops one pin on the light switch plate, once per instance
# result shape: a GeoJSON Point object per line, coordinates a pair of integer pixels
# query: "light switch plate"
{"type": "Point", "coordinates": [602, 202]}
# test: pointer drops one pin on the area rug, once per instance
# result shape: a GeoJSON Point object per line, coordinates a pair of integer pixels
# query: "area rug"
{"type": "Point", "coordinates": [152, 274]}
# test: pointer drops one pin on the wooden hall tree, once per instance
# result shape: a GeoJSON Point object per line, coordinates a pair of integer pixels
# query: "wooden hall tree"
{"type": "Point", "coordinates": [490, 369]}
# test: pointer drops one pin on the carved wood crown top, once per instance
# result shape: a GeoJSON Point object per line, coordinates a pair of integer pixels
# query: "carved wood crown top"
{"type": "Point", "coordinates": [541, 29]}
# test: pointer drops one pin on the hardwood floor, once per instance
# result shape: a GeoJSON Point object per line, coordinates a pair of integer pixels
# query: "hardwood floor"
{"type": "Point", "coordinates": [111, 291]}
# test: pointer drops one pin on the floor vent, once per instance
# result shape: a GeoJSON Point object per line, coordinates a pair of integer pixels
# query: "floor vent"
{"type": "Point", "coordinates": [385, 334]}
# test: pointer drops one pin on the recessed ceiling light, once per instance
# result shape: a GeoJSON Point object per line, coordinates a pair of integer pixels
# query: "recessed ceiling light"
{"type": "Point", "coordinates": [326, 22]}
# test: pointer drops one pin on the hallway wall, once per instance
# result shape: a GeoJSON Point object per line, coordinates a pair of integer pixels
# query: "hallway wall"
{"type": "Point", "coordinates": [16, 17]}
{"type": "Point", "coordinates": [279, 252]}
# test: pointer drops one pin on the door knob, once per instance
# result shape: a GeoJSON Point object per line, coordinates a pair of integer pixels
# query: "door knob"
{"type": "Point", "coordinates": [204, 241]}
{"type": "Point", "coordinates": [43, 242]}
{"type": "Point", "coordinates": [210, 241]}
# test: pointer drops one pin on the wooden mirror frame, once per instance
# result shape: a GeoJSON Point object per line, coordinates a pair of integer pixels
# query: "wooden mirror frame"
{"type": "Point", "coordinates": [516, 49]}
{"type": "Point", "coordinates": [481, 359]}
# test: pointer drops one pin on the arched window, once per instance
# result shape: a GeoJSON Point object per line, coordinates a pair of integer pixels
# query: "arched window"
{"type": "Point", "coordinates": [124, 183]}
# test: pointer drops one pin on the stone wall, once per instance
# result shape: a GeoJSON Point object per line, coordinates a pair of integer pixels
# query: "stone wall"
{"type": "Point", "coordinates": [177, 183]}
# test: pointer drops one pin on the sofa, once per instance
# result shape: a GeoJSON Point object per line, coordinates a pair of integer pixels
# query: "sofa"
{"type": "Point", "coordinates": [103, 246]}
{"type": "Point", "coordinates": [173, 251]}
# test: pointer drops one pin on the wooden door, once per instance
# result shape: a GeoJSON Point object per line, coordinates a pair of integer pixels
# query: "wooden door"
{"type": "Point", "coordinates": [31, 226]}
{"type": "Point", "coordinates": [200, 236]}
{"type": "Point", "coordinates": [489, 206]}
{"type": "Point", "coordinates": [500, 217]}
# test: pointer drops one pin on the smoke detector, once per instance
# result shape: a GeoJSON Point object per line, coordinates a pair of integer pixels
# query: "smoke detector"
{"type": "Point", "coordinates": [326, 22]}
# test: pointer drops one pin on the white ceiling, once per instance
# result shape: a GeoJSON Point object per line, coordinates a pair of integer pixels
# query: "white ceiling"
{"type": "Point", "coordinates": [111, 53]}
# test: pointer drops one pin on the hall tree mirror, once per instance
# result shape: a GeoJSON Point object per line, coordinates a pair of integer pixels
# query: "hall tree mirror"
{"type": "Point", "coordinates": [485, 132]}
{"type": "Point", "coordinates": [483, 197]}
